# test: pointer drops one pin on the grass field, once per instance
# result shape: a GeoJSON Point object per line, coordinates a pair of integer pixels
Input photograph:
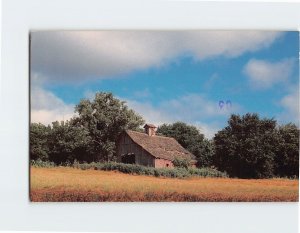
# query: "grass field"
{"type": "Point", "coordinates": [69, 184]}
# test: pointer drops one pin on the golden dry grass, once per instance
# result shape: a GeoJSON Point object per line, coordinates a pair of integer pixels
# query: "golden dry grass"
{"type": "Point", "coordinates": [69, 184]}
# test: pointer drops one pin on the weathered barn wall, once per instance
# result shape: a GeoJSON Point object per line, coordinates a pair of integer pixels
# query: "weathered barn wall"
{"type": "Point", "coordinates": [163, 163]}
{"type": "Point", "coordinates": [126, 145]}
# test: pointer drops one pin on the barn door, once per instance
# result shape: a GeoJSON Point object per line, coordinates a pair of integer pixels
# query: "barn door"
{"type": "Point", "coordinates": [128, 158]}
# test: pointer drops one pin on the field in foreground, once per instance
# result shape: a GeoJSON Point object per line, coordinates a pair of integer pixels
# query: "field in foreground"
{"type": "Point", "coordinates": [62, 184]}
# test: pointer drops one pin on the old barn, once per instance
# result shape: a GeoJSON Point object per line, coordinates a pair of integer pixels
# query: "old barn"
{"type": "Point", "coordinates": [149, 149]}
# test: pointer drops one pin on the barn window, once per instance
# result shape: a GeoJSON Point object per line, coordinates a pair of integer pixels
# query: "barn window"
{"type": "Point", "coordinates": [128, 158]}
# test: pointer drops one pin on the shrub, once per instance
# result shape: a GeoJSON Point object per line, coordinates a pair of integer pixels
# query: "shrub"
{"type": "Point", "coordinates": [207, 172]}
{"type": "Point", "coordinates": [181, 162]}
{"type": "Point", "coordinates": [176, 172]}
{"type": "Point", "coordinates": [40, 163]}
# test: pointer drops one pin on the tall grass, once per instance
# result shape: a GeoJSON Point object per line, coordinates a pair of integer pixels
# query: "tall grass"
{"type": "Point", "coordinates": [69, 184]}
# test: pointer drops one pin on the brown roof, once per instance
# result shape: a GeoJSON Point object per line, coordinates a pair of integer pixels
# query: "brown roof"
{"type": "Point", "coordinates": [160, 146]}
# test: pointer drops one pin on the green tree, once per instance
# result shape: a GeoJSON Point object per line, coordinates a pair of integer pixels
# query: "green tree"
{"type": "Point", "coordinates": [246, 147]}
{"type": "Point", "coordinates": [105, 118]}
{"type": "Point", "coordinates": [206, 153]}
{"type": "Point", "coordinates": [191, 139]}
{"type": "Point", "coordinates": [67, 142]}
{"type": "Point", "coordinates": [39, 141]}
{"type": "Point", "coordinates": [287, 156]}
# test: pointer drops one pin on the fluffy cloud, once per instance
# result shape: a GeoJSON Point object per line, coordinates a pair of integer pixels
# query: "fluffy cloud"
{"type": "Point", "coordinates": [263, 74]}
{"type": "Point", "coordinates": [290, 103]}
{"type": "Point", "coordinates": [209, 130]}
{"type": "Point", "coordinates": [193, 109]}
{"type": "Point", "coordinates": [77, 55]}
{"type": "Point", "coordinates": [149, 112]}
{"type": "Point", "coordinates": [48, 116]}
{"type": "Point", "coordinates": [46, 107]}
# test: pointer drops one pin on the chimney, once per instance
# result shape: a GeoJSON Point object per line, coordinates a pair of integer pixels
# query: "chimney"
{"type": "Point", "coordinates": [150, 129]}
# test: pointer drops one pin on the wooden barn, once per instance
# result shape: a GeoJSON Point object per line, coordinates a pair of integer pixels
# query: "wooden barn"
{"type": "Point", "coordinates": [149, 149]}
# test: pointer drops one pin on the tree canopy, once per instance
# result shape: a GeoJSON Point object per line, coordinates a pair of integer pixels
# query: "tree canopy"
{"type": "Point", "coordinates": [38, 145]}
{"type": "Point", "coordinates": [90, 136]}
{"type": "Point", "coordinates": [249, 146]}
{"type": "Point", "coordinates": [287, 155]}
{"type": "Point", "coordinates": [191, 139]}
{"type": "Point", "coordinates": [105, 118]}
{"type": "Point", "coordinates": [67, 142]}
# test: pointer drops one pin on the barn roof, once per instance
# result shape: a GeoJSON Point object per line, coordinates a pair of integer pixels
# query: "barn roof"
{"type": "Point", "coordinates": [160, 146]}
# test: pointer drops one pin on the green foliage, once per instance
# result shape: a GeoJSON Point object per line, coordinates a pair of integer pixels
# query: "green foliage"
{"type": "Point", "coordinates": [68, 142]}
{"type": "Point", "coordinates": [206, 172]}
{"type": "Point", "coordinates": [191, 139]}
{"type": "Point", "coordinates": [91, 136]}
{"type": "Point", "coordinates": [105, 118]}
{"type": "Point", "coordinates": [246, 147]}
{"type": "Point", "coordinates": [39, 149]}
{"type": "Point", "coordinates": [41, 163]}
{"type": "Point", "coordinates": [205, 153]}
{"type": "Point", "coordinates": [151, 171]}
{"type": "Point", "coordinates": [181, 162]}
{"type": "Point", "coordinates": [287, 155]}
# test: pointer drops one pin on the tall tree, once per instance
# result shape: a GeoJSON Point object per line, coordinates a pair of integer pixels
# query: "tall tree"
{"type": "Point", "coordinates": [39, 134]}
{"type": "Point", "coordinates": [191, 139]}
{"type": "Point", "coordinates": [105, 118]}
{"type": "Point", "coordinates": [67, 142]}
{"type": "Point", "coordinates": [287, 156]}
{"type": "Point", "coordinates": [246, 147]}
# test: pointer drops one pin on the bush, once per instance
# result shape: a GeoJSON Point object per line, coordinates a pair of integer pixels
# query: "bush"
{"type": "Point", "coordinates": [181, 162]}
{"type": "Point", "coordinates": [40, 163]}
{"type": "Point", "coordinates": [176, 172]}
{"type": "Point", "coordinates": [207, 172]}
{"type": "Point", "coordinates": [151, 171]}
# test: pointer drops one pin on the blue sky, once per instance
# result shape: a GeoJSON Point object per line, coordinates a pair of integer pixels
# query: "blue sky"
{"type": "Point", "coordinates": [168, 76]}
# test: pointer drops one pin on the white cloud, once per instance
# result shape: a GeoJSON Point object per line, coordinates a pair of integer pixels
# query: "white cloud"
{"type": "Point", "coordinates": [209, 130]}
{"type": "Point", "coordinates": [192, 109]}
{"type": "Point", "coordinates": [211, 81]}
{"type": "Point", "coordinates": [142, 94]}
{"type": "Point", "coordinates": [149, 112]}
{"type": "Point", "coordinates": [194, 106]}
{"type": "Point", "coordinates": [264, 74]}
{"type": "Point", "coordinates": [290, 103]}
{"type": "Point", "coordinates": [48, 116]}
{"type": "Point", "coordinates": [46, 107]}
{"type": "Point", "coordinates": [75, 55]}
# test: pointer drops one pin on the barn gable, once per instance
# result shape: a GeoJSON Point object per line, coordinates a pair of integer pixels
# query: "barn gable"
{"type": "Point", "coordinates": [127, 149]}
{"type": "Point", "coordinates": [148, 149]}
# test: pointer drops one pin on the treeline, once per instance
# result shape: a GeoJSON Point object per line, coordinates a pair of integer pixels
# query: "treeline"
{"type": "Point", "coordinates": [88, 137]}
{"type": "Point", "coordinates": [249, 147]}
